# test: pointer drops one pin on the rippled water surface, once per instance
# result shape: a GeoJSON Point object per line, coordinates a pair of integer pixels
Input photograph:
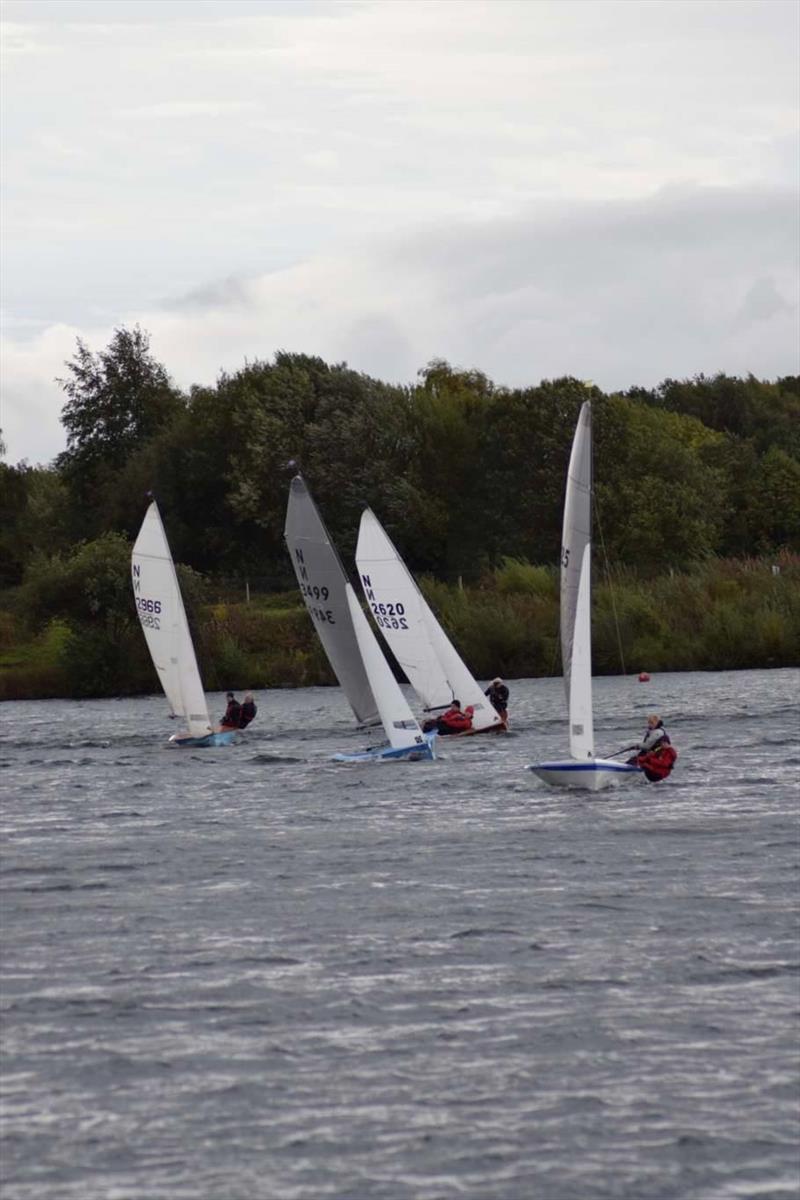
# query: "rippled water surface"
{"type": "Point", "coordinates": [253, 974]}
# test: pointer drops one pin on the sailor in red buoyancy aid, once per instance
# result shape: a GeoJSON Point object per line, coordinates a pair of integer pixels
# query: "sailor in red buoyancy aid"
{"type": "Point", "coordinates": [656, 755]}
{"type": "Point", "coordinates": [454, 720]}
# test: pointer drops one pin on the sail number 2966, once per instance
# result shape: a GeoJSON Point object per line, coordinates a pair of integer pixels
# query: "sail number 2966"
{"type": "Point", "coordinates": [149, 611]}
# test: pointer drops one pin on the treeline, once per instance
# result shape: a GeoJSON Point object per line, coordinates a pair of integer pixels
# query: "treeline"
{"type": "Point", "coordinates": [464, 474]}
{"type": "Point", "coordinates": [81, 637]}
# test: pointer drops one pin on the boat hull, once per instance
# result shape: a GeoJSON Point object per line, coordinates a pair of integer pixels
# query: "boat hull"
{"type": "Point", "coordinates": [591, 775]}
{"type": "Point", "coordinates": [498, 727]}
{"type": "Point", "coordinates": [421, 753]}
{"type": "Point", "coordinates": [220, 738]}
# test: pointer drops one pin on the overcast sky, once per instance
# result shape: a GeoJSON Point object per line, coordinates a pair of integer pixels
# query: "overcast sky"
{"type": "Point", "coordinates": [531, 188]}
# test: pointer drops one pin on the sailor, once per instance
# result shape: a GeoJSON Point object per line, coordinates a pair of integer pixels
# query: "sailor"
{"type": "Point", "coordinates": [654, 735]}
{"type": "Point", "coordinates": [655, 754]}
{"type": "Point", "coordinates": [498, 695]}
{"type": "Point", "coordinates": [454, 720]}
{"type": "Point", "coordinates": [232, 713]}
{"type": "Point", "coordinates": [247, 711]}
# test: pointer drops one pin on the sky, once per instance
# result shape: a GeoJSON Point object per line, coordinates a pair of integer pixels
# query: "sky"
{"type": "Point", "coordinates": [529, 188]}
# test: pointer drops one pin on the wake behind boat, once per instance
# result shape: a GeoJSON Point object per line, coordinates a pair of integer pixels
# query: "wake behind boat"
{"type": "Point", "coordinates": [162, 616]}
{"type": "Point", "coordinates": [583, 770]}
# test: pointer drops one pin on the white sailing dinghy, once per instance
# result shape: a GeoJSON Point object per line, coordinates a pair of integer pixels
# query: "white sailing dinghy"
{"type": "Point", "coordinates": [166, 631]}
{"type": "Point", "coordinates": [406, 739]}
{"type": "Point", "coordinates": [583, 770]}
{"type": "Point", "coordinates": [431, 663]}
{"type": "Point", "coordinates": [323, 583]}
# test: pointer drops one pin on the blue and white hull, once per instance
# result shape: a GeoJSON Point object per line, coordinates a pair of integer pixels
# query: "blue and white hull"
{"type": "Point", "coordinates": [219, 738]}
{"type": "Point", "coordinates": [417, 753]}
{"type": "Point", "coordinates": [589, 775]}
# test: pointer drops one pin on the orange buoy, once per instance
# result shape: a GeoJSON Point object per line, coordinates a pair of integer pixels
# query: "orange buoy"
{"type": "Point", "coordinates": [644, 677]}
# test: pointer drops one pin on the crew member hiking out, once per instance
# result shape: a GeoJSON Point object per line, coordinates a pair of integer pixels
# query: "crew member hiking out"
{"type": "Point", "coordinates": [655, 753]}
{"type": "Point", "coordinates": [498, 696]}
{"type": "Point", "coordinates": [233, 713]}
{"type": "Point", "coordinates": [247, 711]}
{"type": "Point", "coordinates": [454, 720]}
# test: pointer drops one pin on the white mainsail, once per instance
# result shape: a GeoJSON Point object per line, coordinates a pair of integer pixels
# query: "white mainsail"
{"type": "Point", "coordinates": [431, 663]}
{"type": "Point", "coordinates": [163, 620]}
{"type": "Point", "coordinates": [323, 585]}
{"type": "Point", "coordinates": [576, 552]}
{"type": "Point", "coordinates": [583, 770]}
{"type": "Point", "coordinates": [398, 720]}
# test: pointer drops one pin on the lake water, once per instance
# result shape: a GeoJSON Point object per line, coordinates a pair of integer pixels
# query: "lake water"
{"type": "Point", "coordinates": [253, 974]}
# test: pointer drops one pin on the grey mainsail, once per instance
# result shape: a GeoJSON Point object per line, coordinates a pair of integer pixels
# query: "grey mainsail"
{"type": "Point", "coordinates": [322, 580]}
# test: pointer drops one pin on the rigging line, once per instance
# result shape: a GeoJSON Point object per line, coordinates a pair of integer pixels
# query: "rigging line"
{"type": "Point", "coordinates": [610, 583]}
{"type": "Point", "coordinates": [556, 647]}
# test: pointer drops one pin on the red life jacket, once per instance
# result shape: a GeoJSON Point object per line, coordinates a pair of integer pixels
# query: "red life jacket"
{"type": "Point", "coordinates": [658, 763]}
{"type": "Point", "coordinates": [455, 720]}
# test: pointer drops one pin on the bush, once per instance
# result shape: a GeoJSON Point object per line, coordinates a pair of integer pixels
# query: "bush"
{"type": "Point", "coordinates": [517, 577]}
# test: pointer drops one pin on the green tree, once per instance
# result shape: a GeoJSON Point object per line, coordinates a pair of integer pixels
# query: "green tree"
{"type": "Point", "coordinates": [660, 498]}
{"type": "Point", "coordinates": [771, 509]}
{"type": "Point", "coordinates": [768, 413]}
{"type": "Point", "coordinates": [32, 517]}
{"type": "Point", "coordinates": [118, 399]}
{"type": "Point", "coordinates": [13, 502]}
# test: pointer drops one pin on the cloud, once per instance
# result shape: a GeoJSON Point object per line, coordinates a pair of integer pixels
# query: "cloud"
{"type": "Point", "coordinates": [762, 301]}
{"type": "Point", "coordinates": [32, 402]}
{"type": "Point", "coordinates": [688, 280]}
{"type": "Point", "coordinates": [526, 188]}
{"type": "Point", "coordinates": [187, 109]}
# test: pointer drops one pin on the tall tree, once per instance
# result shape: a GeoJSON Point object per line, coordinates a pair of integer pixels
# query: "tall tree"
{"type": "Point", "coordinates": [118, 399]}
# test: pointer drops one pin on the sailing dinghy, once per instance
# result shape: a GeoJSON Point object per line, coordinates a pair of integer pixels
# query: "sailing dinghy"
{"type": "Point", "coordinates": [166, 631]}
{"type": "Point", "coordinates": [323, 583]}
{"type": "Point", "coordinates": [406, 739]}
{"type": "Point", "coordinates": [583, 770]}
{"type": "Point", "coordinates": [431, 663]}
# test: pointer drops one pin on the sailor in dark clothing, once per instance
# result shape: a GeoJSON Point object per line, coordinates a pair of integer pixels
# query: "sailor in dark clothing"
{"type": "Point", "coordinates": [248, 710]}
{"type": "Point", "coordinates": [498, 695]}
{"type": "Point", "coordinates": [233, 713]}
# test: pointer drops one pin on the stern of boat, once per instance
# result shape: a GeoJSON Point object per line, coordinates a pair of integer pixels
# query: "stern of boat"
{"type": "Point", "coordinates": [589, 775]}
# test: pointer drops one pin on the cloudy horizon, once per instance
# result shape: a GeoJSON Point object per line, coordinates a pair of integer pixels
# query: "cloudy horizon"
{"type": "Point", "coordinates": [606, 190]}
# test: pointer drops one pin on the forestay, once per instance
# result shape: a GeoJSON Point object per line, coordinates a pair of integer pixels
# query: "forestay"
{"type": "Point", "coordinates": [323, 585]}
{"type": "Point", "coordinates": [431, 663]}
{"type": "Point", "coordinates": [163, 620]}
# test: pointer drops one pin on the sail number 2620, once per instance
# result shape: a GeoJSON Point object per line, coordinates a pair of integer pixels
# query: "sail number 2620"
{"type": "Point", "coordinates": [389, 616]}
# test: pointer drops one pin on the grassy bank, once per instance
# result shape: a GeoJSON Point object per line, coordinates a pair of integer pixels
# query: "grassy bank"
{"type": "Point", "coordinates": [724, 614]}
